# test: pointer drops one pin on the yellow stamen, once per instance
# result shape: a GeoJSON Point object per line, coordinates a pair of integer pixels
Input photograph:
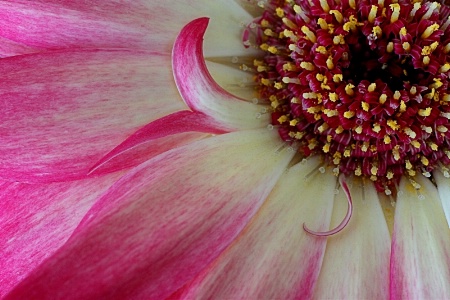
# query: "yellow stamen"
{"type": "Point", "coordinates": [395, 12]}
{"type": "Point", "coordinates": [309, 34]}
{"type": "Point", "coordinates": [429, 31]}
{"type": "Point", "coordinates": [373, 13]}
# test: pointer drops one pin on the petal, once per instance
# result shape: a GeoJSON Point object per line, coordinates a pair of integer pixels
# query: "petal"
{"type": "Point", "coordinates": [420, 261]}
{"type": "Point", "coordinates": [274, 256]}
{"type": "Point", "coordinates": [160, 225]}
{"type": "Point", "coordinates": [62, 111]}
{"type": "Point", "coordinates": [356, 263]}
{"type": "Point", "coordinates": [443, 185]}
{"type": "Point", "coordinates": [133, 24]}
{"type": "Point", "coordinates": [179, 122]}
{"type": "Point", "coordinates": [37, 219]}
{"type": "Point", "coordinates": [198, 89]}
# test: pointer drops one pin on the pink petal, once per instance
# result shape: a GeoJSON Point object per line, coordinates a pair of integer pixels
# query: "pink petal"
{"type": "Point", "coordinates": [62, 111]}
{"type": "Point", "coordinates": [133, 24]}
{"type": "Point", "coordinates": [163, 223]}
{"type": "Point", "coordinates": [37, 219]}
{"type": "Point", "coordinates": [420, 260]}
{"type": "Point", "coordinates": [274, 258]}
{"type": "Point", "coordinates": [179, 122]}
{"type": "Point", "coordinates": [356, 263]}
{"type": "Point", "coordinates": [201, 93]}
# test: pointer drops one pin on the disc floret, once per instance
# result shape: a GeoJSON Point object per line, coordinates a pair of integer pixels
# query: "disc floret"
{"type": "Point", "coordinates": [362, 83]}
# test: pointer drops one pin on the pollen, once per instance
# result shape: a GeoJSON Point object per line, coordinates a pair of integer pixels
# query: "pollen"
{"type": "Point", "coordinates": [364, 84]}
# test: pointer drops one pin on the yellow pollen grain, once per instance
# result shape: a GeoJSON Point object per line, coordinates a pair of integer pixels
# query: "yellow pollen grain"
{"type": "Point", "coordinates": [321, 50]}
{"type": "Point", "coordinates": [387, 139]}
{"type": "Point", "coordinates": [397, 95]}
{"type": "Point", "coordinates": [265, 81]}
{"type": "Point", "coordinates": [330, 64]}
{"type": "Point", "coordinates": [330, 112]}
{"type": "Point", "coordinates": [290, 34]}
{"type": "Point", "coordinates": [403, 32]}
{"type": "Point", "coordinates": [324, 5]}
{"type": "Point", "coordinates": [415, 144]}
{"type": "Point", "coordinates": [376, 128]}
{"type": "Point", "coordinates": [351, 24]}
{"type": "Point", "coordinates": [258, 63]}
{"type": "Point", "coordinates": [338, 39]}
{"type": "Point", "coordinates": [377, 31]}
{"type": "Point", "coordinates": [261, 69]}
{"type": "Point", "coordinates": [408, 165]}
{"type": "Point", "coordinates": [293, 122]}
{"type": "Point", "coordinates": [358, 171]}
{"type": "Point", "coordinates": [426, 60]}
{"type": "Point", "coordinates": [390, 47]}
{"type": "Point", "coordinates": [434, 146]}
{"type": "Point", "coordinates": [323, 127]}
{"type": "Point", "coordinates": [444, 68]}
{"type": "Point", "coordinates": [295, 100]}
{"type": "Point", "coordinates": [299, 135]}
{"type": "Point", "coordinates": [265, 23]}
{"type": "Point", "coordinates": [406, 46]}
{"type": "Point", "coordinates": [347, 153]}
{"type": "Point", "coordinates": [396, 153]}
{"type": "Point", "coordinates": [337, 14]}
{"type": "Point", "coordinates": [320, 77]}
{"type": "Point", "coordinates": [349, 89]}
{"type": "Point", "coordinates": [389, 175]}
{"type": "Point", "coordinates": [383, 98]}
{"type": "Point", "coordinates": [314, 109]}
{"type": "Point", "coordinates": [275, 104]}
{"type": "Point", "coordinates": [289, 67]}
{"type": "Point", "coordinates": [411, 173]}
{"type": "Point", "coordinates": [374, 170]}
{"type": "Point", "coordinates": [280, 12]}
{"type": "Point", "coordinates": [393, 124]}
{"type": "Point", "coordinates": [307, 66]}
{"type": "Point", "coordinates": [372, 13]}
{"type": "Point", "coordinates": [329, 138]}
{"type": "Point", "coordinates": [337, 78]}
{"type": "Point", "coordinates": [310, 95]}
{"type": "Point", "coordinates": [322, 23]}
{"type": "Point", "coordinates": [424, 161]}
{"type": "Point", "coordinates": [365, 106]}
{"type": "Point", "coordinates": [395, 12]}
{"type": "Point", "coordinates": [326, 148]}
{"type": "Point", "coordinates": [413, 90]}
{"type": "Point", "coordinates": [283, 119]}
{"type": "Point", "coordinates": [289, 23]}
{"type": "Point", "coordinates": [442, 129]}
{"type": "Point", "coordinates": [372, 87]}
{"type": "Point", "coordinates": [333, 97]}
{"type": "Point", "coordinates": [269, 32]}
{"type": "Point", "coordinates": [436, 84]}
{"type": "Point", "coordinates": [429, 31]}
{"type": "Point", "coordinates": [339, 130]}
{"type": "Point", "coordinates": [272, 49]}
{"type": "Point", "coordinates": [352, 4]}
{"type": "Point", "coordinates": [278, 85]}
{"type": "Point", "coordinates": [264, 47]}
{"type": "Point", "coordinates": [309, 34]}
{"type": "Point", "coordinates": [349, 114]}
{"type": "Point", "coordinates": [425, 112]}
{"type": "Point", "coordinates": [402, 106]}
{"type": "Point", "coordinates": [359, 129]}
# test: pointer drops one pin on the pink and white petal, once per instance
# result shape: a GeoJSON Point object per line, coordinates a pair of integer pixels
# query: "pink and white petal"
{"type": "Point", "coordinates": [274, 258]}
{"type": "Point", "coordinates": [37, 219]}
{"type": "Point", "coordinates": [356, 262]}
{"type": "Point", "coordinates": [62, 111]}
{"type": "Point", "coordinates": [443, 186]}
{"type": "Point", "coordinates": [135, 24]}
{"type": "Point", "coordinates": [201, 93]}
{"type": "Point", "coordinates": [174, 124]}
{"type": "Point", "coordinates": [164, 222]}
{"type": "Point", "coordinates": [230, 77]}
{"type": "Point", "coordinates": [420, 260]}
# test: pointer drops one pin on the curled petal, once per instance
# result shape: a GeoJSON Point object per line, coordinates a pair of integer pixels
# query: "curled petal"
{"type": "Point", "coordinates": [199, 90]}
{"type": "Point", "coordinates": [344, 221]}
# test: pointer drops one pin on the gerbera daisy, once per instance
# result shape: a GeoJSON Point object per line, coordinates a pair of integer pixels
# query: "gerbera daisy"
{"type": "Point", "coordinates": [113, 188]}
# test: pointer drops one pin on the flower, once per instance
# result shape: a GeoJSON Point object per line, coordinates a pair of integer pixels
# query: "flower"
{"type": "Point", "coordinates": [112, 188]}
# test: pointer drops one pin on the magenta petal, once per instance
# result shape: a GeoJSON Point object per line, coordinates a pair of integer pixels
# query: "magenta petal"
{"type": "Point", "coordinates": [199, 90]}
{"type": "Point", "coordinates": [420, 257]}
{"type": "Point", "coordinates": [37, 219]}
{"type": "Point", "coordinates": [133, 24]}
{"type": "Point", "coordinates": [161, 224]}
{"type": "Point", "coordinates": [63, 111]}
{"type": "Point", "coordinates": [179, 122]}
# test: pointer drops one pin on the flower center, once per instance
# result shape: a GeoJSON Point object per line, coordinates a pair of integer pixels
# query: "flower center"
{"type": "Point", "coordinates": [363, 83]}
